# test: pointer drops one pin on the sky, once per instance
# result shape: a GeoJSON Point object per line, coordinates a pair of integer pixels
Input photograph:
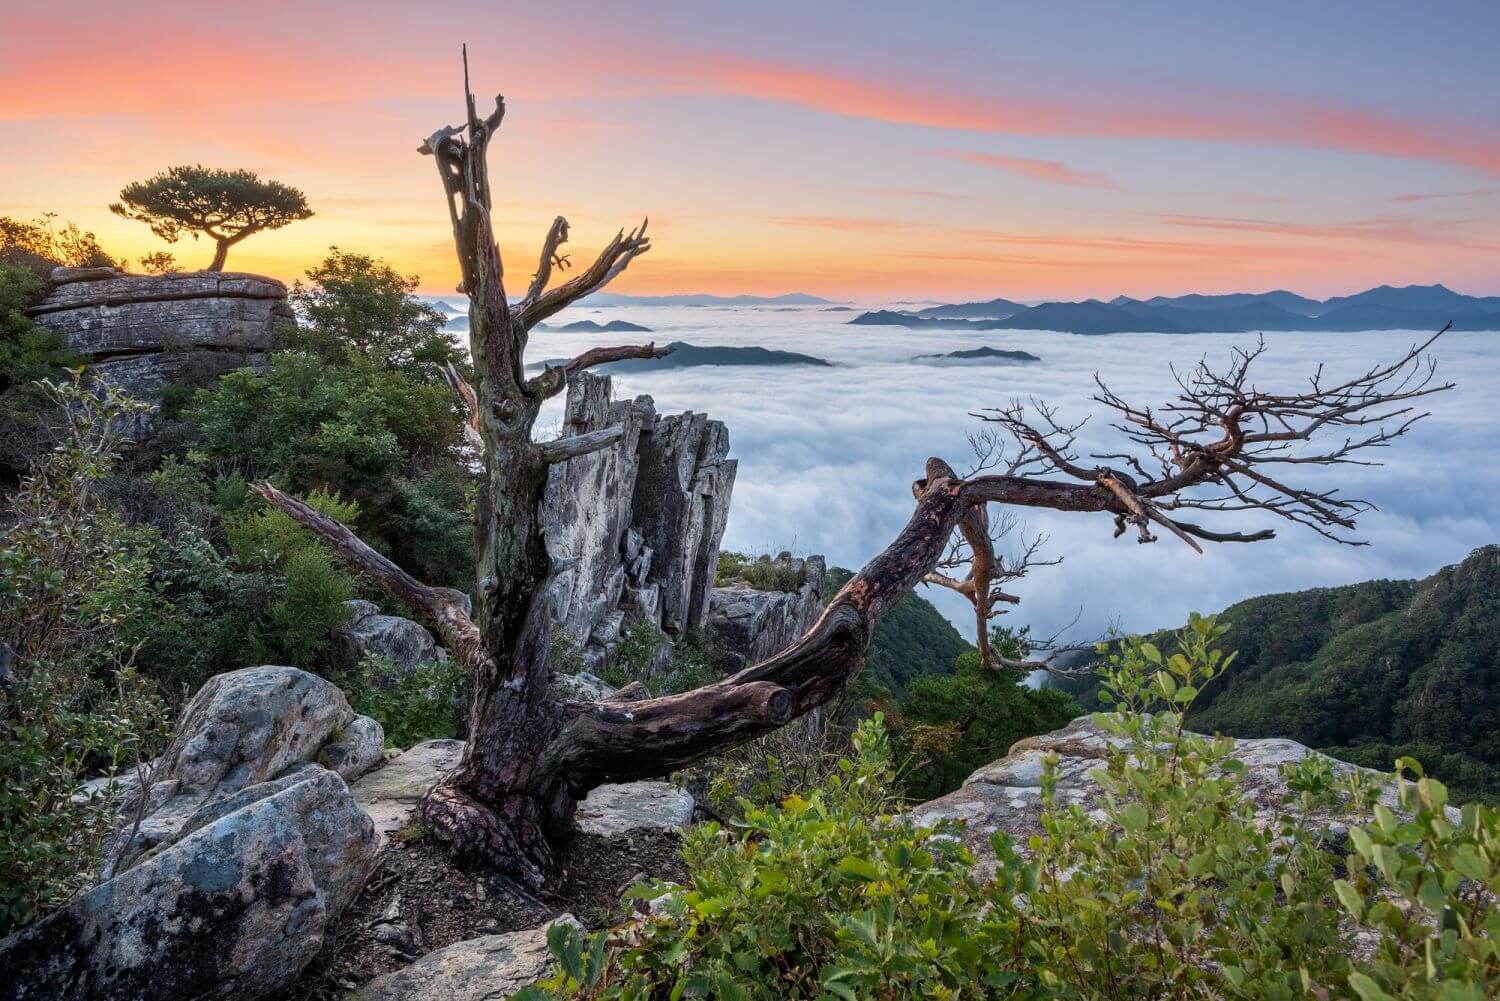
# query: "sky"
{"type": "Point", "coordinates": [867, 150]}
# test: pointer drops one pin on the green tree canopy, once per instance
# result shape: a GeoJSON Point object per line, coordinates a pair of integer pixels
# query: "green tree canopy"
{"type": "Point", "coordinates": [359, 309]}
{"type": "Point", "coordinates": [225, 205]}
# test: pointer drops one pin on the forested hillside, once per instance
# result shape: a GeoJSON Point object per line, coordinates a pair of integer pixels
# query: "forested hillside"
{"type": "Point", "coordinates": [1371, 671]}
{"type": "Point", "coordinates": [911, 640]}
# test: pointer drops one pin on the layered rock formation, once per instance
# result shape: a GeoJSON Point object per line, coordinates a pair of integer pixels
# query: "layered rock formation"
{"type": "Point", "coordinates": [749, 624]}
{"type": "Point", "coordinates": [642, 519]}
{"type": "Point", "coordinates": [145, 332]}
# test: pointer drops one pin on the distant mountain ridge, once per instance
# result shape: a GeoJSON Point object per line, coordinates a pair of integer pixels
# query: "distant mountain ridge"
{"type": "Point", "coordinates": [686, 355]}
{"type": "Point", "coordinates": [1414, 307]}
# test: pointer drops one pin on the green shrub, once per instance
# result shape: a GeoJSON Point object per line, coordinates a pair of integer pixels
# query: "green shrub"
{"type": "Point", "coordinates": [949, 725]}
{"type": "Point", "coordinates": [761, 572]}
{"type": "Point", "coordinates": [73, 579]}
{"type": "Point", "coordinates": [411, 706]}
{"type": "Point", "coordinates": [1174, 886]}
{"type": "Point", "coordinates": [823, 896]}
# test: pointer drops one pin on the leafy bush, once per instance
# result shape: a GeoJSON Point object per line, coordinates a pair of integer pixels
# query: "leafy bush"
{"type": "Point", "coordinates": [359, 310]}
{"type": "Point", "coordinates": [411, 706]}
{"type": "Point", "coordinates": [949, 725]}
{"type": "Point", "coordinates": [762, 572]}
{"type": "Point", "coordinates": [823, 896]}
{"type": "Point", "coordinates": [72, 580]}
{"type": "Point", "coordinates": [41, 245]}
{"type": "Point", "coordinates": [1174, 886]}
{"type": "Point", "coordinates": [313, 588]}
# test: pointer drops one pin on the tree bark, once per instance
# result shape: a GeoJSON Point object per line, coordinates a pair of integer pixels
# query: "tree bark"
{"type": "Point", "coordinates": [221, 254]}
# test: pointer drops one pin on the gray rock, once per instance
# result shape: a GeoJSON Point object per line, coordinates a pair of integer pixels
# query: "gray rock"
{"type": "Point", "coordinates": [144, 332]}
{"type": "Point", "coordinates": [235, 909]}
{"type": "Point", "coordinates": [247, 727]}
{"type": "Point", "coordinates": [751, 625]}
{"type": "Point", "coordinates": [1006, 794]}
{"type": "Point", "coordinates": [642, 519]}
{"type": "Point", "coordinates": [682, 493]}
{"type": "Point", "coordinates": [405, 643]}
{"type": "Point", "coordinates": [633, 806]}
{"type": "Point", "coordinates": [582, 687]}
{"type": "Point", "coordinates": [477, 969]}
{"type": "Point", "coordinates": [354, 750]}
{"type": "Point", "coordinates": [390, 794]}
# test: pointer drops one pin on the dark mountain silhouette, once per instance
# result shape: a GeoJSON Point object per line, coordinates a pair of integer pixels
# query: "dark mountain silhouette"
{"type": "Point", "coordinates": [690, 355]}
{"type": "Point", "coordinates": [994, 309]}
{"type": "Point", "coordinates": [592, 327]}
{"type": "Point", "coordinates": [1290, 301]}
{"type": "Point", "coordinates": [981, 354]}
{"type": "Point", "coordinates": [1424, 298]}
{"type": "Point", "coordinates": [1415, 307]}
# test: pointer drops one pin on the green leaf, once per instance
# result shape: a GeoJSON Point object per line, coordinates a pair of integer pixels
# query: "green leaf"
{"type": "Point", "coordinates": [1350, 898]}
{"type": "Point", "coordinates": [1133, 817]}
{"type": "Point", "coordinates": [864, 869]}
{"type": "Point", "coordinates": [1367, 989]}
{"type": "Point", "coordinates": [1468, 861]}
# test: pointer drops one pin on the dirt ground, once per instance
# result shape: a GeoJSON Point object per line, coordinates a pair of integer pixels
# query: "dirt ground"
{"type": "Point", "coordinates": [417, 900]}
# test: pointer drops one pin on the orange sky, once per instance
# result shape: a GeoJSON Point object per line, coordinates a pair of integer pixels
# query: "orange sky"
{"type": "Point", "coordinates": [1000, 151]}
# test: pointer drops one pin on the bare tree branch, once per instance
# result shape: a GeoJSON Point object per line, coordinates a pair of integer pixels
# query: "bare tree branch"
{"type": "Point", "coordinates": [438, 603]}
{"type": "Point", "coordinates": [465, 393]}
{"type": "Point", "coordinates": [574, 445]}
{"type": "Point", "coordinates": [555, 377]}
{"type": "Point", "coordinates": [612, 260]}
{"type": "Point", "coordinates": [556, 237]}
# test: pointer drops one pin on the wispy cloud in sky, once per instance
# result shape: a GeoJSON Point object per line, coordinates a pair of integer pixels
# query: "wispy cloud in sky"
{"type": "Point", "coordinates": [1051, 171]}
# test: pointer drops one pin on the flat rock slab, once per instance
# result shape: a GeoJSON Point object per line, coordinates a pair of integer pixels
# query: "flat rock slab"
{"type": "Point", "coordinates": [632, 806]}
{"type": "Point", "coordinates": [390, 794]}
{"type": "Point", "coordinates": [478, 969]}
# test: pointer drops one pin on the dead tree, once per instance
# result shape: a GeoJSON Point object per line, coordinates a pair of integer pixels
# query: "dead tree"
{"type": "Point", "coordinates": [530, 757]}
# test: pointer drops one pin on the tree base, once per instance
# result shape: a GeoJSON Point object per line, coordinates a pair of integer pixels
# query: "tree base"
{"type": "Point", "coordinates": [481, 836]}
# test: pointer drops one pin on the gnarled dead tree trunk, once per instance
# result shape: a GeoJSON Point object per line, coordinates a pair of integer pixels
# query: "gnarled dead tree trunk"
{"type": "Point", "coordinates": [530, 757]}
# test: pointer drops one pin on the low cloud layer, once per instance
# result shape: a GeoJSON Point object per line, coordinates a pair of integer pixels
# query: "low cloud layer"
{"type": "Point", "coordinates": [827, 455]}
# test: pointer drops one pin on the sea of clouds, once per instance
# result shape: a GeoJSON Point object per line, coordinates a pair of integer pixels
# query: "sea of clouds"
{"type": "Point", "coordinates": [827, 455]}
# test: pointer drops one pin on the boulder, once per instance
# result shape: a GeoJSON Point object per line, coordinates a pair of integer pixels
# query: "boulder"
{"type": "Point", "coordinates": [247, 727]}
{"type": "Point", "coordinates": [235, 908]}
{"type": "Point", "coordinates": [147, 331]}
{"type": "Point", "coordinates": [405, 643]}
{"type": "Point", "coordinates": [633, 806]}
{"type": "Point", "coordinates": [390, 794]}
{"type": "Point", "coordinates": [477, 969]}
{"type": "Point", "coordinates": [1006, 794]}
{"type": "Point", "coordinates": [581, 687]}
{"type": "Point", "coordinates": [750, 625]}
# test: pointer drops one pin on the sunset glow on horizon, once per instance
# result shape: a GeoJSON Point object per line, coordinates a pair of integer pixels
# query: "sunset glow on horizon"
{"type": "Point", "coordinates": [868, 152]}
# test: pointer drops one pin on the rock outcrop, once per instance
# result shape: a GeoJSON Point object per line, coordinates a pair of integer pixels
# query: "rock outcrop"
{"type": "Point", "coordinates": [632, 806]}
{"type": "Point", "coordinates": [145, 332]}
{"type": "Point", "coordinates": [403, 642]}
{"type": "Point", "coordinates": [1006, 794]}
{"type": "Point", "coordinates": [749, 624]}
{"type": "Point", "coordinates": [476, 969]}
{"type": "Point", "coordinates": [248, 727]}
{"type": "Point", "coordinates": [234, 909]}
{"type": "Point", "coordinates": [247, 847]}
{"type": "Point", "coordinates": [643, 520]}
{"type": "Point", "coordinates": [390, 794]}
